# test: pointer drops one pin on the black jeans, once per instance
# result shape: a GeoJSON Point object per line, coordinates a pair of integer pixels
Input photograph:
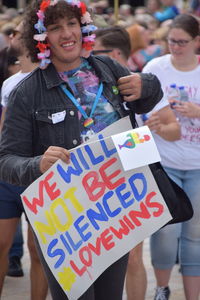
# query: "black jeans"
{"type": "Point", "coordinates": [108, 286]}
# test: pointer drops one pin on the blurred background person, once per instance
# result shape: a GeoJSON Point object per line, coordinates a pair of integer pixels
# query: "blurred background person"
{"type": "Point", "coordinates": [9, 65]}
{"type": "Point", "coordinates": [169, 10]}
{"type": "Point", "coordinates": [11, 207]}
{"type": "Point", "coordinates": [141, 49]}
{"type": "Point", "coordinates": [115, 42]}
{"type": "Point", "coordinates": [179, 74]}
{"type": "Point", "coordinates": [159, 37]}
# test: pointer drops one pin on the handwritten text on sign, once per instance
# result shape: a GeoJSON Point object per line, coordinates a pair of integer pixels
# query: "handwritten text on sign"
{"type": "Point", "coordinates": [90, 213]}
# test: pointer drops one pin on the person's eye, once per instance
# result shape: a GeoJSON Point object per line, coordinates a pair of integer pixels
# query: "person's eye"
{"type": "Point", "coordinates": [182, 43]}
{"type": "Point", "coordinates": [54, 28]}
{"type": "Point", "coordinates": [72, 23]}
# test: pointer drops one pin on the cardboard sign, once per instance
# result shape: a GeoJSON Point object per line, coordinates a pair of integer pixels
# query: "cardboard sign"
{"type": "Point", "coordinates": [88, 214]}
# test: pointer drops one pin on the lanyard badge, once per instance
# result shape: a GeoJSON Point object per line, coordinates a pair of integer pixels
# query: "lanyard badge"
{"type": "Point", "coordinates": [89, 121]}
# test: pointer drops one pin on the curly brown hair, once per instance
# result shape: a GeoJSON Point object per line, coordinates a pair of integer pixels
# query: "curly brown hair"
{"type": "Point", "coordinates": [52, 14]}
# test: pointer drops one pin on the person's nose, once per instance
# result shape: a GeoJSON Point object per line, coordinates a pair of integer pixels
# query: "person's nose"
{"type": "Point", "coordinates": [66, 32]}
{"type": "Point", "coordinates": [176, 46]}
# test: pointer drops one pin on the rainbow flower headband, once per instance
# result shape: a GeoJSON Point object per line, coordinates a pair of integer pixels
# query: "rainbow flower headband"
{"type": "Point", "coordinates": [88, 40]}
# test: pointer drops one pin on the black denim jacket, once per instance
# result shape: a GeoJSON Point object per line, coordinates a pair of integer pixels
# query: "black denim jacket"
{"type": "Point", "coordinates": [28, 128]}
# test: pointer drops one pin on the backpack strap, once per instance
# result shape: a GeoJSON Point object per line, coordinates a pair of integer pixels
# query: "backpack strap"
{"type": "Point", "coordinates": [109, 62]}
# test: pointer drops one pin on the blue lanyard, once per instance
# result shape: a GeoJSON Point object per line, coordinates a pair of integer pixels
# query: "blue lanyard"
{"type": "Point", "coordinates": [77, 104]}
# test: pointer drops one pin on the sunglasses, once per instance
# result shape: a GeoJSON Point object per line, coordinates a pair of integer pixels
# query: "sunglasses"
{"type": "Point", "coordinates": [180, 43]}
{"type": "Point", "coordinates": [96, 52]}
{"type": "Point", "coordinates": [15, 32]}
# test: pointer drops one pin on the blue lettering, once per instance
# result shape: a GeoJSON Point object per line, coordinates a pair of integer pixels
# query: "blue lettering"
{"type": "Point", "coordinates": [140, 176]}
{"type": "Point", "coordinates": [65, 243]}
{"type": "Point", "coordinates": [82, 159]}
{"type": "Point", "coordinates": [82, 229]}
{"type": "Point", "coordinates": [110, 213]}
{"type": "Point", "coordinates": [93, 215]}
{"type": "Point", "coordinates": [123, 197]}
{"type": "Point", "coordinates": [66, 175]}
{"type": "Point", "coordinates": [94, 160]}
{"type": "Point", "coordinates": [57, 252]}
{"type": "Point", "coordinates": [72, 243]}
{"type": "Point", "coordinates": [107, 152]}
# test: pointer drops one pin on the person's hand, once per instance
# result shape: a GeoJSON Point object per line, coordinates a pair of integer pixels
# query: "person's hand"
{"type": "Point", "coordinates": [154, 122]}
{"type": "Point", "coordinates": [187, 109]}
{"type": "Point", "coordinates": [130, 87]}
{"type": "Point", "coordinates": [51, 155]}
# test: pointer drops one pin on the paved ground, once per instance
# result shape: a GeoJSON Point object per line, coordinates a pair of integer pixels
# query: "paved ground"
{"type": "Point", "coordinates": [18, 288]}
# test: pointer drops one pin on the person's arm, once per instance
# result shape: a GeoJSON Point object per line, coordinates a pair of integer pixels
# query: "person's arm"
{"type": "Point", "coordinates": [17, 164]}
{"type": "Point", "coordinates": [164, 123]}
{"type": "Point", "coordinates": [142, 91]}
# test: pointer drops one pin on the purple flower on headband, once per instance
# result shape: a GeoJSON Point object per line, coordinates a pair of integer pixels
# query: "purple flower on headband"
{"type": "Point", "coordinates": [40, 26]}
{"type": "Point", "coordinates": [88, 28]}
{"type": "Point", "coordinates": [44, 62]}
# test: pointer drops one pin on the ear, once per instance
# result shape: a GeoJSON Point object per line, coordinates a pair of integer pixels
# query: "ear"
{"type": "Point", "coordinates": [116, 53]}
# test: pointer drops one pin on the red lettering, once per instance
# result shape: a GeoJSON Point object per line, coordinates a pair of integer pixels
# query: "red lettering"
{"type": "Point", "coordinates": [107, 179]}
{"type": "Point", "coordinates": [93, 186]}
{"type": "Point", "coordinates": [107, 239]}
{"type": "Point", "coordinates": [128, 222]}
{"type": "Point", "coordinates": [86, 261]}
{"type": "Point", "coordinates": [97, 249]}
{"type": "Point", "coordinates": [124, 230]}
{"type": "Point", "coordinates": [154, 204]}
{"type": "Point", "coordinates": [78, 271]}
{"type": "Point", "coordinates": [144, 214]}
{"type": "Point", "coordinates": [43, 184]}
{"type": "Point", "coordinates": [50, 188]}
{"type": "Point", "coordinates": [35, 201]}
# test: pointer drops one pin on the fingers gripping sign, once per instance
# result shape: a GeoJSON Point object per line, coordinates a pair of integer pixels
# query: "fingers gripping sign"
{"type": "Point", "coordinates": [130, 87]}
{"type": "Point", "coordinates": [51, 155]}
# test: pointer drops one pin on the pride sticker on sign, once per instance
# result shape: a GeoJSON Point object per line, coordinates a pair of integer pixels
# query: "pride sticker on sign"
{"type": "Point", "coordinates": [136, 148]}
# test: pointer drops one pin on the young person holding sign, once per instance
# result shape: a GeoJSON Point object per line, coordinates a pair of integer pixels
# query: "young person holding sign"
{"type": "Point", "coordinates": [63, 103]}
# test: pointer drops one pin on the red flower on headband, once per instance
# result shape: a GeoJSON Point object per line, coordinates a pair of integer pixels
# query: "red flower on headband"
{"type": "Point", "coordinates": [42, 47]}
{"type": "Point", "coordinates": [88, 45]}
{"type": "Point", "coordinates": [44, 5]}
{"type": "Point", "coordinates": [83, 8]}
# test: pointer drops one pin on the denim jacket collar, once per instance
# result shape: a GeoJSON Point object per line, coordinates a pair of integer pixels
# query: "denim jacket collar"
{"type": "Point", "coordinates": [52, 78]}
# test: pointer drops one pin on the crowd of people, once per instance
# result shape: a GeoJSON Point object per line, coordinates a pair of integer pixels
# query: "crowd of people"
{"type": "Point", "coordinates": [155, 50]}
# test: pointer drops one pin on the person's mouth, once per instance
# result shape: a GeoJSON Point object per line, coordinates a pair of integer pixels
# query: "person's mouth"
{"type": "Point", "coordinates": [68, 45]}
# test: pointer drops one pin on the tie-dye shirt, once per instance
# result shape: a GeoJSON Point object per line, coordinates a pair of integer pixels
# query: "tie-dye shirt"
{"type": "Point", "coordinates": [85, 84]}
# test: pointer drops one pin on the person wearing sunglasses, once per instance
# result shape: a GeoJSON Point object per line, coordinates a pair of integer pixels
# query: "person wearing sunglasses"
{"type": "Point", "coordinates": [115, 42]}
{"type": "Point", "coordinates": [181, 70]}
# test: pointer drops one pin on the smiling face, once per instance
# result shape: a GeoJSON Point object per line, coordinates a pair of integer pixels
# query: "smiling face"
{"type": "Point", "coordinates": [182, 45]}
{"type": "Point", "coordinates": [65, 40]}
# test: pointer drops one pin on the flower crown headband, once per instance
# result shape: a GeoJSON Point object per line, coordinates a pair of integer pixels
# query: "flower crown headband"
{"type": "Point", "coordinates": [87, 28]}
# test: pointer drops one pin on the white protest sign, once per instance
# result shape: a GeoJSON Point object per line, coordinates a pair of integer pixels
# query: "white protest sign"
{"type": "Point", "coordinates": [88, 214]}
{"type": "Point", "coordinates": [136, 148]}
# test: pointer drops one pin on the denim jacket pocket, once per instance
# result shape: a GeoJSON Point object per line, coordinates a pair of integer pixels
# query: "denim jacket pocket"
{"type": "Point", "coordinates": [50, 133]}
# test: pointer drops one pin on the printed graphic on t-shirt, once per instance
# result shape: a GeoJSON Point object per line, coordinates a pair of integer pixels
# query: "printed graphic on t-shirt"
{"type": "Point", "coordinates": [85, 84]}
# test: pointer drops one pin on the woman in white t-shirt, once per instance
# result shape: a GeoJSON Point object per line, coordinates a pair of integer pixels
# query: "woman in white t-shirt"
{"type": "Point", "coordinates": [181, 159]}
